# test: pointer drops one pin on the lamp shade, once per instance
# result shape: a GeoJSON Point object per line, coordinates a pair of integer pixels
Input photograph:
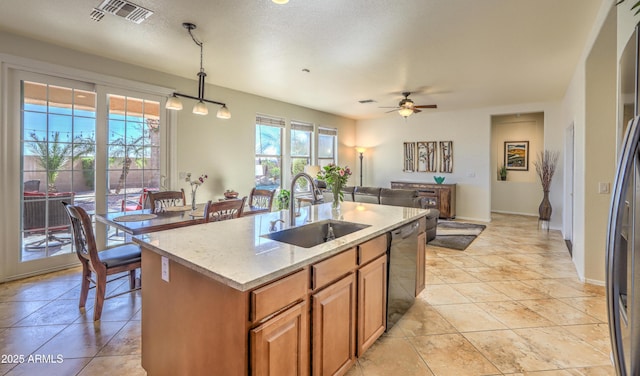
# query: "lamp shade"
{"type": "Point", "coordinates": [173, 103]}
{"type": "Point", "coordinates": [312, 170]}
{"type": "Point", "coordinates": [223, 113]}
{"type": "Point", "coordinates": [405, 112]}
{"type": "Point", "coordinates": [200, 108]}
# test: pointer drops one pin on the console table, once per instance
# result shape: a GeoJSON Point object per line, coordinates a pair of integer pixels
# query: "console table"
{"type": "Point", "coordinates": [438, 196]}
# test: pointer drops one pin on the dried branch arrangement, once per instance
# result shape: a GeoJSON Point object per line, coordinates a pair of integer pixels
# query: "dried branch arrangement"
{"type": "Point", "coordinates": [546, 167]}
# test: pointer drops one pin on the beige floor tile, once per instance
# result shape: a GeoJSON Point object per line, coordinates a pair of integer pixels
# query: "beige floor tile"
{"type": "Point", "coordinates": [494, 260]}
{"type": "Point", "coordinates": [422, 319]}
{"type": "Point", "coordinates": [126, 342]}
{"type": "Point", "coordinates": [510, 352]}
{"type": "Point", "coordinates": [455, 276]}
{"type": "Point", "coordinates": [565, 349]}
{"type": "Point", "coordinates": [596, 335]}
{"type": "Point", "coordinates": [82, 340]}
{"type": "Point", "coordinates": [480, 292]}
{"type": "Point", "coordinates": [469, 317]}
{"type": "Point", "coordinates": [518, 290]}
{"type": "Point", "coordinates": [12, 312]}
{"type": "Point", "coordinates": [114, 365]}
{"type": "Point", "coordinates": [25, 340]}
{"type": "Point", "coordinates": [392, 356]}
{"type": "Point", "coordinates": [120, 308]}
{"type": "Point", "coordinates": [557, 288]}
{"type": "Point", "coordinates": [464, 261]}
{"type": "Point", "coordinates": [595, 306]}
{"type": "Point", "coordinates": [514, 315]}
{"type": "Point", "coordinates": [66, 367]}
{"type": "Point", "coordinates": [55, 312]}
{"type": "Point", "coordinates": [452, 354]}
{"type": "Point", "coordinates": [559, 312]}
{"type": "Point", "coordinates": [441, 294]}
{"type": "Point", "coordinates": [597, 371]}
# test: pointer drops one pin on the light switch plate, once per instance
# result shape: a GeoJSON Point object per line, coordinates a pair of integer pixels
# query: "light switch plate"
{"type": "Point", "coordinates": [165, 269]}
{"type": "Point", "coordinates": [603, 188]}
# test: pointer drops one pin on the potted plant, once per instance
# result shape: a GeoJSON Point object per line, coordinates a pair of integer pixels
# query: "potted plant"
{"type": "Point", "coordinates": [502, 172]}
{"type": "Point", "coordinates": [282, 199]}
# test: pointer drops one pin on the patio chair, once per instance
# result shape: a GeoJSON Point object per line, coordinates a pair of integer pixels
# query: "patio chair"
{"type": "Point", "coordinates": [117, 259]}
{"type": "Point", "coordinates": [43, 214]}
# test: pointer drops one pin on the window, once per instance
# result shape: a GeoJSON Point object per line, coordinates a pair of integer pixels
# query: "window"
{"type": "Point", "coordinates": [301, 138]}
{"type": "Point", "coordinates": [268, 152]}
{"type": "Point", "coordinates": [327, 143]}
{"type": "Point", "coordinates": [133, 149]}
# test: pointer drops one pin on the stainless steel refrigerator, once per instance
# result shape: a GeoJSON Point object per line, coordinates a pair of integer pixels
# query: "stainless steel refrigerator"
{"type": "Point", "coordinates": [623, 257]}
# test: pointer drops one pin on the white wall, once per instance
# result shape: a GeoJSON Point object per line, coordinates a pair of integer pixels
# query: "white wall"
{"type": "Point", "coordinates": [470, 131]}
{"type": "Point", "coordinates": [521, 193]}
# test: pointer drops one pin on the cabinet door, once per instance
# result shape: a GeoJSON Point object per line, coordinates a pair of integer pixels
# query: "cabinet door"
{"type": "Point", "coordinates": [420, 262]}
{"type": "Point", "coordinates": [372, 302]}
{"type": "Point", "coordinates": [333, 345]}
{"type": "Point", "coordinates": [280, 346]}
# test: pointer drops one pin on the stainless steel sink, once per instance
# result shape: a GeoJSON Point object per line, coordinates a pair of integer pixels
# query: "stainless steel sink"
{"type": "Point", "coordinates": [310, 235]}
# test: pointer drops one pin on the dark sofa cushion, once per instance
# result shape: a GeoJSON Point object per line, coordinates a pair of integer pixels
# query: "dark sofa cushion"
{"type": "Point", "coordinates": [400, 197]}
{"type": "Point", "coordinates": [367, 194]}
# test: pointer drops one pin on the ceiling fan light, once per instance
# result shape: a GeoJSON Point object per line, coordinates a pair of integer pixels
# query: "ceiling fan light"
{"type": "Point", "coordinates": [280, 2]}
{"type": "Point", "coordinates": [405, 112]}
{"type": "Point", "coordinates": [223, 112]}
{"type": "Point", "coordinates": [200, 108]}
{"type": "Point", "coordinates": [173, 103]}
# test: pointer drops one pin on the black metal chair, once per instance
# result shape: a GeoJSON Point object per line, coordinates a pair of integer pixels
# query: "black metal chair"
{"type": "Point", "coordinates": [121, 258]}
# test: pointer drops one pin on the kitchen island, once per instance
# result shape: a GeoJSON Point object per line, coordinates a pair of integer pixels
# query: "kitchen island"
{"type": "Point", "coordinates": [222, 299]}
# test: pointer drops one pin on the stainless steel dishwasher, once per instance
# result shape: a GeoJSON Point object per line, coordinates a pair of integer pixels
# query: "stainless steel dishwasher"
{"type": "Point", "coordinates": [402, 271]}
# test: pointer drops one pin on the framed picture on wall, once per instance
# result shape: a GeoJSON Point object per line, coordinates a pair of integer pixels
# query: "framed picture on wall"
{"type": "Point", "coordinates": [516, 155]}
{"type": "Point", "coordinates": [409, 157]}
{"type": "Point", "coordinates": [446, 156]}
{"type": "Point", "coordinates": [427, 156]}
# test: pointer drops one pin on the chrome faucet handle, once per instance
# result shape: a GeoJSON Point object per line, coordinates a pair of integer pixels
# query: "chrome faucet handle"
{"type": "Point", "coordinates": [272, 227]}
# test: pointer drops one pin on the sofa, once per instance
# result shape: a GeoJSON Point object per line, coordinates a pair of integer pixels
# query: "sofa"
{"type": "Point", "coordinates": [389, 196]}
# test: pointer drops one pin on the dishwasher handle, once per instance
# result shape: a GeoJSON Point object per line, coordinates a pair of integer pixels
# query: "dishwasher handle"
{"type": "Point", "coordinates": [406, 231]}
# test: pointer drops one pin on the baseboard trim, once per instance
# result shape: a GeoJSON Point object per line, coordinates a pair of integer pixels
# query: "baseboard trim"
{"type": "Point", "coordinates": [515, 213]}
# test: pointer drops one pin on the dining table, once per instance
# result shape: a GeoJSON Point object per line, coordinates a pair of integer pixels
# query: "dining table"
{"type": "Point", "coordinates": [140, 222]}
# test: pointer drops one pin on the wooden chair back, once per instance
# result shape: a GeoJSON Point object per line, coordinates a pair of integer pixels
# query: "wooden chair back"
{"type": "Point", "coordinates": [223, 210]}
{"type": "Point", "coordinates": [261, 200]}
{"type": "Point", "coordinates": [113, 260]}
{"type": "Point", "coordinates": [160, 200]}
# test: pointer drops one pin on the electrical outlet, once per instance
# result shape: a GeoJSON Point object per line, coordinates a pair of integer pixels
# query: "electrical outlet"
{"type": "Point", "coordinates": [165, 269]}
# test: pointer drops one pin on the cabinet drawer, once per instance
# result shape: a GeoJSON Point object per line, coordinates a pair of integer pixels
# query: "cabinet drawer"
{"type": "Point", "coordinates": [331, 269]}
{"type": "Point", "coordinates": [273, 297]}
{"type": "Point", "coordinates": [373, 248]}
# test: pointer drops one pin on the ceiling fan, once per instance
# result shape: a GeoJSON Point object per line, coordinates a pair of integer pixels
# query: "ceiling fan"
{"type": "Point", "coordinates": [406, 107]}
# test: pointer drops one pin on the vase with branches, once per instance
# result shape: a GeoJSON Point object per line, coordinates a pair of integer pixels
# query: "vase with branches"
{"type": "Point", "coordinates": [545, 168]}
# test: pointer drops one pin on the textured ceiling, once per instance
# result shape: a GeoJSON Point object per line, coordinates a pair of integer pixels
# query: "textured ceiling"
{"type": "Point", "coordinates": [455, 53]}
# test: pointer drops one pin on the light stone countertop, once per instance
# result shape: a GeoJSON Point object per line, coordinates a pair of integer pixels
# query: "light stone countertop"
{"type": "Point", "coordinates": [234, 253]}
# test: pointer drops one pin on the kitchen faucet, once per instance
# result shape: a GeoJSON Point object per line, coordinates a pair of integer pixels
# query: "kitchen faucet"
{"type": "Point", "coordinates": [292, 204]}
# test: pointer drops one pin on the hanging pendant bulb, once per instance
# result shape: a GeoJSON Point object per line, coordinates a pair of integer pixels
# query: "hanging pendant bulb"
{"type": "Point", "coordinates": [174, 103]}
{"type": "Point", "coordinates": [224, 113]}
{"type": "Point", "coordinates": [200, 108]}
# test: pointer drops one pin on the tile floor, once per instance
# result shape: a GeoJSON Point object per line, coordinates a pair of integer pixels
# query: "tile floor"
{"type": "Point", "coordinates": [511, 304]}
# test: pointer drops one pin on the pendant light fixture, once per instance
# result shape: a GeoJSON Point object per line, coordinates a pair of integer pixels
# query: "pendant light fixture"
{"type": "Point", "coordinates": [200, 108]}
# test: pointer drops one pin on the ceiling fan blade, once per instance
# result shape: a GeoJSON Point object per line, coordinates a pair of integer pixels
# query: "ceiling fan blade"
{"type": "Point", "coordinates": [416, 111]}
{"type": "Point", "coordinates": [394, 110]}
{"type": "Point", "coordinates": [427, 106]}
{"type": "Point", "coordinates": [396, 107]}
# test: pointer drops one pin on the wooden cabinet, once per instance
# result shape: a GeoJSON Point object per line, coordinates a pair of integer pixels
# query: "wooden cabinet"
{"type": "Point", "coordinates": [421, 262]}
{"type": "Point", "coordinates": [333, 322]}
{"type": "Point", "coordinates": [438, 196]}
{"type": "Point", "coordinates": [372, 302]}
{"type": "Point", "coordinates": [275, 341]}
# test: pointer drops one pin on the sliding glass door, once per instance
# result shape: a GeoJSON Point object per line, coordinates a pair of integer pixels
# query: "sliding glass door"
{"type": "Point", "coordinates": [92, 146]}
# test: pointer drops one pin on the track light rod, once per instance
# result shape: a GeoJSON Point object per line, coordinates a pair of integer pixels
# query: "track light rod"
{"type": "Point", "coordinates": [198, 99]}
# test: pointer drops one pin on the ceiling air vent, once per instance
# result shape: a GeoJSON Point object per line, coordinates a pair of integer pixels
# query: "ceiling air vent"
{"type": "Point", "coordinates": [121, 8]}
